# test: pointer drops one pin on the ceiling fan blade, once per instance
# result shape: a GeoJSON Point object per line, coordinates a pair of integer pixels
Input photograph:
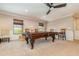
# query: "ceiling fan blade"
{"type": "Point", "coordinates": [48, 11]}
{"type": "Point", "coordinates": [48, 5]}
{"type": "Point", "coordinates": [59, 6]}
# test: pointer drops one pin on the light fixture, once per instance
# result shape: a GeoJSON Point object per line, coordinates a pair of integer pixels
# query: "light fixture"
{"type": "Point", "coordinates": [26, 10]}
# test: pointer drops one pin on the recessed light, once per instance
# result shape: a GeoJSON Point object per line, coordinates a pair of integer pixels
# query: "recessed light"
{"type": "Point", "coordinates": [26, 10]}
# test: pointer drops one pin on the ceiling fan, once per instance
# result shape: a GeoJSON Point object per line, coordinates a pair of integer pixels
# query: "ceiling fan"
{"type": "Point", "coordinates": [54, 5]}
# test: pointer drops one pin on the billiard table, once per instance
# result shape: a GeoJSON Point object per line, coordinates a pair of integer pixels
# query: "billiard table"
{"type": "Point", "coordinates": [37, 35]}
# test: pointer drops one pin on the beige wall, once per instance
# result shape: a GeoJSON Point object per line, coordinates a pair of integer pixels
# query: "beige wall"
{"type": "Point", "coordinates": [66, 23]}
{"type": "Point", "coordinates": [61, 23]}
{"type": "Point", "coordinates": [70, 23]}
{"type": "Point", "coordinates": [6, 22]}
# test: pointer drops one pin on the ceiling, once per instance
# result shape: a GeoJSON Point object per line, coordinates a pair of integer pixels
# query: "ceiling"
{"type": "Point", "coordinates": [39, 10]}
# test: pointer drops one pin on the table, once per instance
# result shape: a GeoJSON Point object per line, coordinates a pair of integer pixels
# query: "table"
{"type": "Point", "coordinates": [37, 35]}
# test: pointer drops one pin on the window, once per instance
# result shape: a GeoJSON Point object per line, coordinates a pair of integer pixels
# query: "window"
{"type": "Point", "coordinates": [17, 26]}
{"type": "Point", "coordinates": [41, 27]}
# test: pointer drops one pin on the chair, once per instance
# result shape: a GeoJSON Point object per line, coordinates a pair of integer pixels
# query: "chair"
{"type": "Point", "coordinates": [62, 34]}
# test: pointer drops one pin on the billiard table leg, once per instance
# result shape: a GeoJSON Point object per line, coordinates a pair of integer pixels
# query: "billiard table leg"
{"type": "Point", "coordinates": [45, 38]}
{"type": "Point", "coordinates": [32, 43]}
{"type": "Point", "coordinates": [53, 38]}
{"type": "Point", "coordinates": [0, 40]}
{"type": "Point", "coordinates": [27, 40]}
